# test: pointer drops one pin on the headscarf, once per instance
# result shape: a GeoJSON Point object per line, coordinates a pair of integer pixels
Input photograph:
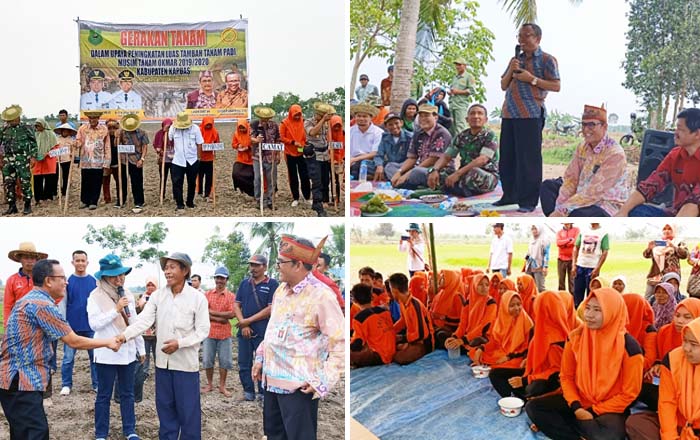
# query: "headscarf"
{"type": "Point", "coordinates": [658, 253]}
{"type": "Point", "coordinates": [153, 280]}
{"type": "Point", "coordinates": [512, 334]}
{"type": "Point", "coordinates": [640, 313]}
{"type": "Point", "coordinates": [338, 136]}
{"type": "Point", "coordinates": [478, 317]}
{"type": "Point", "coordinates": [601, 280]}
{"type": "Point", "coordinates": [210, 135]}
{"type": "Point", "coordinates": [408, 125]}
{"type": "Point", "coordinates": [569, 306]}
{"type": "Point", "coordinates": [620, 278]}
{"type": "Point", "coordinates": [418, 286]}
{"type": "Point", "coordinates": [493, 288]}
{"type": "Point", "coordinates": [466, 272]}
{"type": "Point", "coordinates": [510, 285]}
{"type": "Point", "coordinates": [528, 293]}
{"type": "Point", "coordinates": [668, 338]}
{"type": "Point", "coordinates": [663, 313]}
{"type": "Point", "coordinates": [599, 353]}
{"type": "Point", "coordinates": [447, 304]}
{"type": "Point", "coordinates": [295, 128]}
{"type": "Point", "coordinates": [537, 246]}
{"type": "Point", "coordinates": [45, 140]}
{"type": "Point", "coordinates": [551, 326]}
{"type": "Point", "coordinates": [162, 135]}
{"type": "Point", "coordinates": [673, 276]}
{"type": "Point", "coordinates": [241, 142]}
{"type": "Point", "coordinates": [686, 378]}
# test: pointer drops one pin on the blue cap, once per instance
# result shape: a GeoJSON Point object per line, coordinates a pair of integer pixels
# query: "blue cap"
{"type": "Point", "coordinates": [221, 272]}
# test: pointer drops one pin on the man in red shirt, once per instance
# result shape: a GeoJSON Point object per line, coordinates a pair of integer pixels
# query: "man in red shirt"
{"type": "Point", "coordinates": [566, 239]}
{"type": "Point", "coordinates": [221, 302]}
{"type": "Point", "coordinates": [680, 168]}
{"type": "Point", "coordinates": [20, 283]}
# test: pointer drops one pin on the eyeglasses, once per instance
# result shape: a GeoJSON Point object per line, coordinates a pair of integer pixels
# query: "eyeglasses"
{"type": "Point", "coordinates": [278, 263]}
{"type": "Point", "coordinates": [63, 277]}
{"type": "Point", "coordinates": [590, 124]}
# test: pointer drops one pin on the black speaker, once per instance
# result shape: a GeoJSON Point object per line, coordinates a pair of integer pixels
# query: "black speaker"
{"type": "Point", "coordinates": [655, 146]}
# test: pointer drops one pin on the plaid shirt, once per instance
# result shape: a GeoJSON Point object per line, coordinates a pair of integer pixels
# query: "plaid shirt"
{"type": "Point", "coordinates": [220, 302]}
{"type": "Point", "coordinates": [35, 322]}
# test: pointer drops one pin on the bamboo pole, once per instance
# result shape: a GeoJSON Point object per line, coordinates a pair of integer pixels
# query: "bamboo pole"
{"type": "Point", "coordinates": [162, 174]}
{"type": "Point", "coordinates": [70, 178]}
{"type": "Point", "coordinates": [262, 179]}
{"type": "Point", "coordinates": [433, 257]}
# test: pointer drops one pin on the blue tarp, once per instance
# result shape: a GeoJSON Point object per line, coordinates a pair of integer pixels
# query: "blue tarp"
{"type": "Point", "coordinates": [433, 398]}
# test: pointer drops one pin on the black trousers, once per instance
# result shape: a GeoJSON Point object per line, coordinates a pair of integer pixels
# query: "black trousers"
{"type": "Point", "coordinates": [178, 175]}
{"type": "Point", "coordinates": [298, 173]}
{"type": "Point", "coordinates": [206, 169]}
{"type": "Point", "coordinates": [90, 186]}
{"type": "Point", "coordinates": [290, 416]}
{"type": "Point", "coordinates": [555, 419]}
{"type": "Point", "coordinates": [316, 181]}
{"type": "Point", "coordinates": [44, 186]}
{"type": "Point", "coordinates": [549, 192]}
{"type": "Point", "coordinates": [24, 411]}
{"type": "Point", "coordinates": [520, 163]}
{"type": "Point", "coordinates": [649, 395]}
{"type": "Point", "coordinates": [499, 380]}
{"type": "Point", "coordinates": [65, 169]}
{"type": "Point", "coordinates": [136, 180]}
{"type": "Point", "coordinates": [325, 180]}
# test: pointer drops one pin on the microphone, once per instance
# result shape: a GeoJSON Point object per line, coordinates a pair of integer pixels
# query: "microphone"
{"type": "Point", "coordinates": [120, 292]}
{"type": "Point", "coordinates": [517, 56]}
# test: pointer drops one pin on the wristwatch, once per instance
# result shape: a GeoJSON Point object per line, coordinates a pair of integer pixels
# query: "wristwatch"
{"type": "Point", "coordinates": [534, 81]}
{"type": "Point", "coordinates": [431, 169]}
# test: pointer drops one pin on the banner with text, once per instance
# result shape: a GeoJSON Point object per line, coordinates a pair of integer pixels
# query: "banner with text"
{"type": "Point", "coordinates": [158, 70]}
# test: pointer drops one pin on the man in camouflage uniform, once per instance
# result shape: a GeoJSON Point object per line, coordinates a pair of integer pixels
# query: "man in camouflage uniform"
{"type": "Point", "coordinates": [19, 146]}
{"type": "Point", "coordinates": [318, 161]}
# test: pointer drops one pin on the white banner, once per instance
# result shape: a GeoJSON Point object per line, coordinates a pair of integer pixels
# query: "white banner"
{"type": "Point", "coordinates": [219, 146]}
{"type": "Point", "coordinates": [59, 151]}
{"type": "Point", "coordinates": [129, 149]}
{"type": "Point", "coordinates": [273, 147]}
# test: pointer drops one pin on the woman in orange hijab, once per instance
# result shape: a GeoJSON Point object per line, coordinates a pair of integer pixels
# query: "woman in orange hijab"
{"type": "Point", "coordinates": [476, 318]}
{"type": "Point", "coordinates": [418, 286]}
{"type": "Point", "coordinates": [507, 344]}
{"type": "Point", "coordinates": [668, 338]}
{"type": "Point", "coordinates": [601, 375]}
{"type": "Point", "coordinates": [528, 290]}
{"type": "Point", "coordinates": [506, 285]}
{"type": "Point", "coordinates": [293, 135]}
{"type": "Point", "coordinates": [242, 173]}
{"type": "Point", "coordinates": [641, 326]}
{"type": "Point", "coordinates": [446, 306]}
{"type": "Point", "coordinates": [679, 407]}
{"type": "Point", "coordinates": [552, 325]}
{"type": "Point", "coordinates": [206, 158]}
{"type": "Point", "coordinates": [572, 318]}
{"type": "Point", "coordinates": [496, 279]}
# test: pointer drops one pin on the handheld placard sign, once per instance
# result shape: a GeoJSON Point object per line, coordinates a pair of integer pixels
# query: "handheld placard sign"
{"type": "Point", "coordinates": [219, 146]}
{"type": "Point", "coordinates": [336, 145]}
{"type": "Point", "coordinates": [128, 149]}
{"type": "Point", "coordinates": [273, 147]}
{"type": "Point", "coordinates": [59, 152]}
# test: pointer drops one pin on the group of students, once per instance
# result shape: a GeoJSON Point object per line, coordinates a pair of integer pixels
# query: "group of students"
{"type": "Point", "coordinates": [310, 147]}
{"type": "Point", "coordinates": [580, 371]}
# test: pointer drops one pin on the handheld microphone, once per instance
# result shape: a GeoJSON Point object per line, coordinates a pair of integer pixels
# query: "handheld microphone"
{"type": "Point", "coordinates": [517, 56]}
{"type": "Point", "coordinates": [120, 292]}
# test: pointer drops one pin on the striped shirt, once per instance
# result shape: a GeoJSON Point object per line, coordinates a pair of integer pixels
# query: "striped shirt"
{"type": "Point", "coordinates": [35, 322]}
{"type": "Point", "coordinates": [305, 340]}
{"type": "Point", "coordinates": [523, 100]}
{"type": "Point", "coordinates": [220, 302]}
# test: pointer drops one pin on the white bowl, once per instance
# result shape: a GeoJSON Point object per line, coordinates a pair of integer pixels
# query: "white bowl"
{"type": "Point", "coordinates": [511, 406]}
{"type": "Point", "coordinates": [481, 371]}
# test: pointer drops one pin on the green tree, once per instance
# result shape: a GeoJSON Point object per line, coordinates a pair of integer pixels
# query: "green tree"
{"type": "Point", "coordinates": [335, 246]}
{"type": "Point", "coordinates": [143, 245]}
{"type": "Point", "coordinates": [283, 100]}
{"type": "Point", "coordinates": [386, 230]}
{"type": "Point", "coordinates": [231, 252]}
{"type": "Point", "coordinates": [270, 234]}
{"type": "Point", "coordinates": [495, 113]}
{"type": "Point", "coordinates": [525, 11]}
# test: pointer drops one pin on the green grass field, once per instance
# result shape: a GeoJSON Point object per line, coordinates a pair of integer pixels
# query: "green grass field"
{"type": "Point", "coordinates": [625, 258]}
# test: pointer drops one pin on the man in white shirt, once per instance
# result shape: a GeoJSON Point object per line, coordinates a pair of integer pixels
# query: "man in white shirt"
{"type": "Point", "coordinates": [95, 98]}
{"type": "Point", "coordinates": [501, 255]}
{"type": "Point", "coordinates": [181, 315]}
{"type": "Point", "coordinates": [590, 253]}
{"type": "Point", "coordinates": [364, 138]}
{"type": "Point", "coordinates": [187, 139]}
{"type": "Point", "coordinates": [126, 98]}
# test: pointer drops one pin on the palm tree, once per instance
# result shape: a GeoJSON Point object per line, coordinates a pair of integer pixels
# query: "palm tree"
{"type": "Point", "coordinates": [525, 11]}
{"type": "Point", "coordinates": [336, 246]}
{"type": "Point", "coordinates": [270, 233]}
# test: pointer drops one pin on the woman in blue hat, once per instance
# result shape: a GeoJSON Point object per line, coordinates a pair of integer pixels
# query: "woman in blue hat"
{"type": "Point", "coordinates": [110, 310]}
{"type": "Point", "coordinates": [415, 246]}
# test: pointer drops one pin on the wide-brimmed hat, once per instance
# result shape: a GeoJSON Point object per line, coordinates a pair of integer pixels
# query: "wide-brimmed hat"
{"type": "Point", "coordinates": [323, 108]}
{"type": "Point", "coordinates": [413, 227]}
{"type": "Point", "coordinates": [65, 126]}
{"type": "Point", "coordinates": [374, 100]}
{"type": "Point", "coordinates": [182, 121]}
{"type": "Point", "coordinates": [130, 122]}
{"type": "Point", "coordinates": [264, 112]}
{"type": "Point", "coordinates": [427, 108]}
{"type": "Point", "coordinates": [290, 247]}
{"type": "Point", "coordinates": [176, 256]}
{"type": "Point", "coordinates": [11, 113]}
{"type": "Point", "coordinates": [26, 248]}
{"type": "Point", "coordinates": [111, 266]}
{"type": "Point", "coordinates": [365, 108]}
{"type": "Point", "coordinates": [93, 113]}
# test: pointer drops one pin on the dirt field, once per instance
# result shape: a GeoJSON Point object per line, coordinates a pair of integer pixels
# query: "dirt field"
{"type": "Point", "coordinates": [73, 416]}
{"type": "Point", "coordinates": [228, 202]}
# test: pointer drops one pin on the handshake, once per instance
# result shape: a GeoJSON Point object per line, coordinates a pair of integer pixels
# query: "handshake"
{"type": "Point", "coordinates": [115, 343]}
